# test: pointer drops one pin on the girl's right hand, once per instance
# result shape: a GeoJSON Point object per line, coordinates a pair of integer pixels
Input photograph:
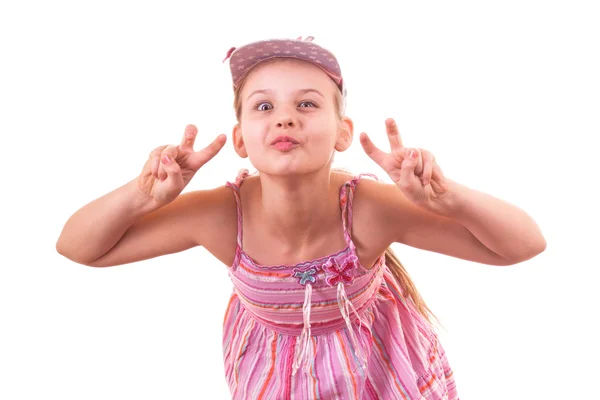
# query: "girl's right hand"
{"type": "Point", "coordinates": [170, 168]}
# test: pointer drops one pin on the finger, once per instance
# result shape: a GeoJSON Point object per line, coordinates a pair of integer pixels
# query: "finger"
{"type": "Point", "coordinates": [162, 174]}
{"type": "Point", "coordinates": [439, 183]}
{"type": "Point", "coordinates": [155, 157]}
{"type": "Point", "coordinates": [173, 171]}
{"type": "Point", "coordinates": [170, 151]}
{"type": "Point", "coordinates": [155, 165]}
{"type": "Point", "coordinates": [189, 137]}
{"type": "Point", "coordinates": [372, 151]}
{"type": "Point", "coordinates": [157, 150]}
{"type": "Point", "coordinates": [199, 158]}
{"type": "Point", "coordinates": [407, 174]}
{"type": "Point", "coordinates": [419, 162]}
{"type": "Point", "coordinates": [437, 174]}
{"type": "Point", "coordinates": [393, 134]}
{"type": "Point", "coordinates": [428, 161]}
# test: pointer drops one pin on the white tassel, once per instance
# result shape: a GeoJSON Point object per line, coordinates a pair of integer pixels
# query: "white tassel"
{"type": "Point", "coordinates": [303, 342]}
{"type": "Point", "coordinates": [345, 305]}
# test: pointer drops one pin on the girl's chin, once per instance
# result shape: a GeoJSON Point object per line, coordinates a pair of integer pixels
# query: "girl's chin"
{"type": "Point", "coordinates": [292, 170]}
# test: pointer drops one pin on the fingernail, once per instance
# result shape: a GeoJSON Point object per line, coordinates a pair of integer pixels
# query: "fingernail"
{"type": "Point", "coordinates": [413, 153]}
{"type": "Point", "coordinates": [166, 159]}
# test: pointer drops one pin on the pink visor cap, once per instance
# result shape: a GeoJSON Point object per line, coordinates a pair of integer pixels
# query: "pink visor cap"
{"type": "Point", "coordinates": [245, 58]}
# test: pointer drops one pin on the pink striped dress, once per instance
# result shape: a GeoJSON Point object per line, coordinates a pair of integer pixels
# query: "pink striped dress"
{"type": "Point", "coordinates": [327, 329]}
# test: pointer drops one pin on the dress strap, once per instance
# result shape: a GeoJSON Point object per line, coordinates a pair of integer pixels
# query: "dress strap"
{"type": "Point", "coordinates": [346, 198]}
{"type": "Point", "coordinates": [243, 174]}
{"type": "Point", "coordinates": [301, 350]}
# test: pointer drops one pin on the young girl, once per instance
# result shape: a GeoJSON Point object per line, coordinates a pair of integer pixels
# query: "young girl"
{"type": "Point", "coordinates": [321, 306]}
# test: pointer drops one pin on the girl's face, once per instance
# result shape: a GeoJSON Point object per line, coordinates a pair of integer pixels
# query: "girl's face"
{"type": "Point", "coordinates": [289, 122]}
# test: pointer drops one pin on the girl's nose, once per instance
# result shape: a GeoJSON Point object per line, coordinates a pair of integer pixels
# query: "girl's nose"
{"type": "Point", "coordinates": [285, 122]}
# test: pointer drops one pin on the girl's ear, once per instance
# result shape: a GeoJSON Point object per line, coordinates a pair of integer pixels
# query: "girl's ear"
{"type": "Point", "coordinates": [345, 134]}
{"type": "Point", "coordinates": [238, 141]}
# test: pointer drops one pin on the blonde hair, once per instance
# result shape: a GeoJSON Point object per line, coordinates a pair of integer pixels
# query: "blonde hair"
{"type": "Point", "coordinates": [409, 290]}
{"type": "Point", "coordinates": [407, 286]}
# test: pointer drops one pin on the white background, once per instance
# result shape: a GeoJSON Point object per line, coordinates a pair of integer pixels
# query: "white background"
{"type": "Point", "coordinates": [505, 94]}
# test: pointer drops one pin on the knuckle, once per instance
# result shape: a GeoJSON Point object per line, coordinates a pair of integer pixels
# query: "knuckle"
{"type": "Point", "coordinates": [430, 155]}
{"type": "Point", "coordinates": [170, 150]}
{"type": "Point", "coordinates": [157, 151]}
{"type": "Point", "coordinates": [404, 185]}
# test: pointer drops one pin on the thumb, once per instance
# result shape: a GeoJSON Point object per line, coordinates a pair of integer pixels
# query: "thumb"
{"type": "Point", "coordinates": [172, 169]}
{"type": "Point", "coordinates": [407, 174]}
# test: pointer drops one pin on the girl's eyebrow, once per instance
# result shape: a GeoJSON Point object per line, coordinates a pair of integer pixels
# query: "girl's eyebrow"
{"type": "Point", "coordinates": [268, 91]}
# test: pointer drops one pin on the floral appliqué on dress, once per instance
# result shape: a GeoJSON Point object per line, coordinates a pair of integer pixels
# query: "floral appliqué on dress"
{"type": "Point", "coordinates": [337, 272]}
{"type": "Point", "coordinates": [305, 276]}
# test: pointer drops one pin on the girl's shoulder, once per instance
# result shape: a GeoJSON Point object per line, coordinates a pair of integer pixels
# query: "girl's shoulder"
{"type": "Point", "coordinates": [369, 207]}
{"type": "Point", "coordinates": [369, 190]}
{"type": "Point", "coordinates": [214, 218]}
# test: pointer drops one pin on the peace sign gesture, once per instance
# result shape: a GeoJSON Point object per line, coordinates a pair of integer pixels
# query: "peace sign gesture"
{"type": "Point", "coordinates": [414, 171]}
{"type": "Point", "coordinates": [170, 168]}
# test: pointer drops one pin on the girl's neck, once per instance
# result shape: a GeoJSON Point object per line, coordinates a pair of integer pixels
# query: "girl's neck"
{"type": "Point", "coordinates": [297, 210]}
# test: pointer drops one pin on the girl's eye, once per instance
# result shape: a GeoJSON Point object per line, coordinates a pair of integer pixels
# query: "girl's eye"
{"type": "Point", "coordinates": [263, 106]}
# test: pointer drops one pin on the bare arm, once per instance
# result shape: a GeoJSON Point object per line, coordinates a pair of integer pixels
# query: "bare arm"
{"type": "Point", "coordinates": [500, 226]}
{"type": "Point", "coordinates": [95, 228]}
{"type": "Point", "coordinates": [99, 235]}
{"type": "Point", "coordinates": [147, 217]}
{"type": "Point", "coordinates": [399, 220]}
{"type": "Point", "coordinates": [424, 209]}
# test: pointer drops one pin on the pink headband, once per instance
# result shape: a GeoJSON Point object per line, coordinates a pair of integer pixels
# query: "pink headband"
{"type": "Point", "coordinates": [247, 57]}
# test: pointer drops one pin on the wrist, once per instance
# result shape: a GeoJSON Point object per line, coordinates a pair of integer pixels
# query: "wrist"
{"type": "Point", "coordinates": [452, 203]}
{"type": "Point", "coordinates": [139, 202]}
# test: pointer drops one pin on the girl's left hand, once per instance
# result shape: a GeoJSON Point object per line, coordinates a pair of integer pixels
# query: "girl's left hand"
{"type": "Point", "coordinates": [414, 171]}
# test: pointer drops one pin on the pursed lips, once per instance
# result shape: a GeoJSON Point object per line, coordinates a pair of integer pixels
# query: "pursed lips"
{"type": "Point", "coordinates": [284, 139]}
{"type": "Point", "coordinates": [284, 143]}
